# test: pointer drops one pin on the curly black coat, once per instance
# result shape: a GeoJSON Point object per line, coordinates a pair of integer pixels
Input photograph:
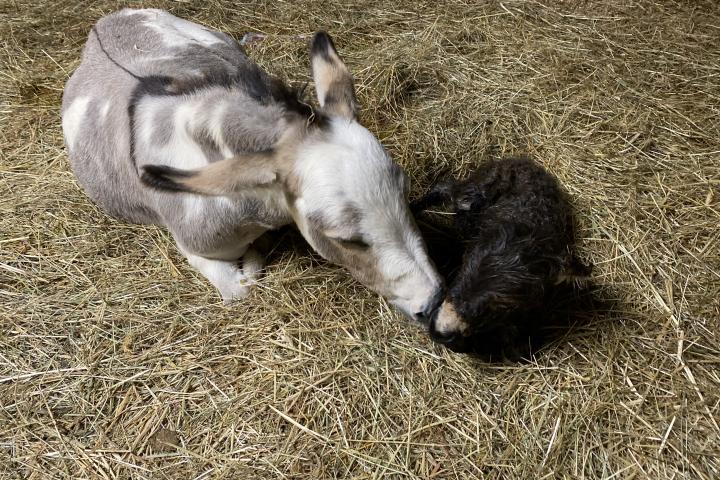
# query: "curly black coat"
{"type": "Point", "coordinates": [516, 226]}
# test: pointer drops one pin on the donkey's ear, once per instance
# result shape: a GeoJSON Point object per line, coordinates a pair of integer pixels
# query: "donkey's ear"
{"type": "Point", "coordinates": [225, 177]}
{"type": "Point", "coordinates": [333, 82]}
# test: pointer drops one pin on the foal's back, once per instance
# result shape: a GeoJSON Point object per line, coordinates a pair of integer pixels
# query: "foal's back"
{"type": "Point", "coordinates": [518, 193]}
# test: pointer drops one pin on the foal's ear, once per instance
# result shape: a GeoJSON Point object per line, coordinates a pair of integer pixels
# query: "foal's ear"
{"type": "Point", "coordinates": [225, 177]}
{"type": "Point", "coordinates": [333, 81]}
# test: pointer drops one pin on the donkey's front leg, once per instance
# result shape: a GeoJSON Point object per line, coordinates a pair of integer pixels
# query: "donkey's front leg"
{"type": "Point", "coordinates": [226, 276]}
{"type": "Point", "coordinates": [232, 281]}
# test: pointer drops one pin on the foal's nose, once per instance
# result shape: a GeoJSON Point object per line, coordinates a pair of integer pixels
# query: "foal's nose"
{"type": "Point", "coordinates": [444, 337]}
{"type": "Point", "coordinates": [431, 307]}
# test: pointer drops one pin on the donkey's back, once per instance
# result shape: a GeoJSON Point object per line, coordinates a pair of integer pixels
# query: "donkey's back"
{"type": "Point", "coordinates": [152, 61]}
{"type": "Point", "coordinates": [150, 43]}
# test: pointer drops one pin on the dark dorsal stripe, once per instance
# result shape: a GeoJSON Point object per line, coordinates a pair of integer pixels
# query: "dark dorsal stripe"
{"type": "Point", "coordinates": [257, 84]}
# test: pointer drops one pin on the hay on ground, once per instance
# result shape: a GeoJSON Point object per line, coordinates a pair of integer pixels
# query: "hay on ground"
{"type": "Point", "coordinates": [117, 360]}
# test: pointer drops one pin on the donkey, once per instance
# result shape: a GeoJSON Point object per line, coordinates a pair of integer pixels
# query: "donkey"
{"type": "Point", "coordinates": [167, 122]}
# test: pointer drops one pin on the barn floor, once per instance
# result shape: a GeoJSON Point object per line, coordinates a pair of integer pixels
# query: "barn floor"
{"type": "Point", "coordinates": [117, 360]}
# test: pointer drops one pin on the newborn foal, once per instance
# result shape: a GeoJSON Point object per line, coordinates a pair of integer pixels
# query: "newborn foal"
{"type": "Point", "coordinates": [516, 226]}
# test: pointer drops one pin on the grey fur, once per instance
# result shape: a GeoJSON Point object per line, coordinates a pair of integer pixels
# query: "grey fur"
{"type": "Point", "coordinates": [127, 64]}
{"type": "Point", "coordinates": [163, 128]}
{"type": "Point", "coordinates": [210, 148]}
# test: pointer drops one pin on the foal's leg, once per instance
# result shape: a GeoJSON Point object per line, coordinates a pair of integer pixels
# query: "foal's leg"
{"type": "Point", "coordinates": [440, 193]}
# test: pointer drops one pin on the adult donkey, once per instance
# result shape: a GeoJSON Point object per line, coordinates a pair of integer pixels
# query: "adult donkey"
{"type": "Point", "coordinates": [170, 123]}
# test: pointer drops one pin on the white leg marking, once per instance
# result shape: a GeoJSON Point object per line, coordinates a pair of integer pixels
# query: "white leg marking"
{"type": "Point", "coordinates": [226, 276]}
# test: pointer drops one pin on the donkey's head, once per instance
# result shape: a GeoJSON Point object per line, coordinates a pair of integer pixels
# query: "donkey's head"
{"type": "Point", "coordinates": [351, 201]}
{"type": "Point", "coordinates": [345, 194]}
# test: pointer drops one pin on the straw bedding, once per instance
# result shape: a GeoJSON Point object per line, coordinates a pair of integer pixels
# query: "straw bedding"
{"type": "Point", "coordinates": [117, 360]}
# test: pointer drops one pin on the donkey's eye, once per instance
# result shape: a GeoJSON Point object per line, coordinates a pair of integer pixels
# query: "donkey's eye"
{"type": "Point", "coordinates": [355, 242]}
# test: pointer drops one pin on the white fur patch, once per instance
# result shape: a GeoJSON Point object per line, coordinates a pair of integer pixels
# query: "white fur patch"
{"type": "Point", "coordinates": [448, 320]}
{"type": "Point", "coordinates": [72, 119]}
{"type": "Point", "coordinates": [176, 32]}
{"type": "Point", "coordinates": [215, 128]}
{"type": "Point", "coordinates": [104, 110]}
{"type": "Point", "coordinates": [194, 207]}
{"type": "Point", "coordinates": [141, 11]}
{"type": "Point", "coordinates": [145, 127]}
{"type": "Point", "coordinates": [181, 151]}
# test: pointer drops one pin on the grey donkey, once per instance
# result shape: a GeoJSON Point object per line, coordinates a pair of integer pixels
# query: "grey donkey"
{"type": "Point", "coordinates": [167, 122]}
